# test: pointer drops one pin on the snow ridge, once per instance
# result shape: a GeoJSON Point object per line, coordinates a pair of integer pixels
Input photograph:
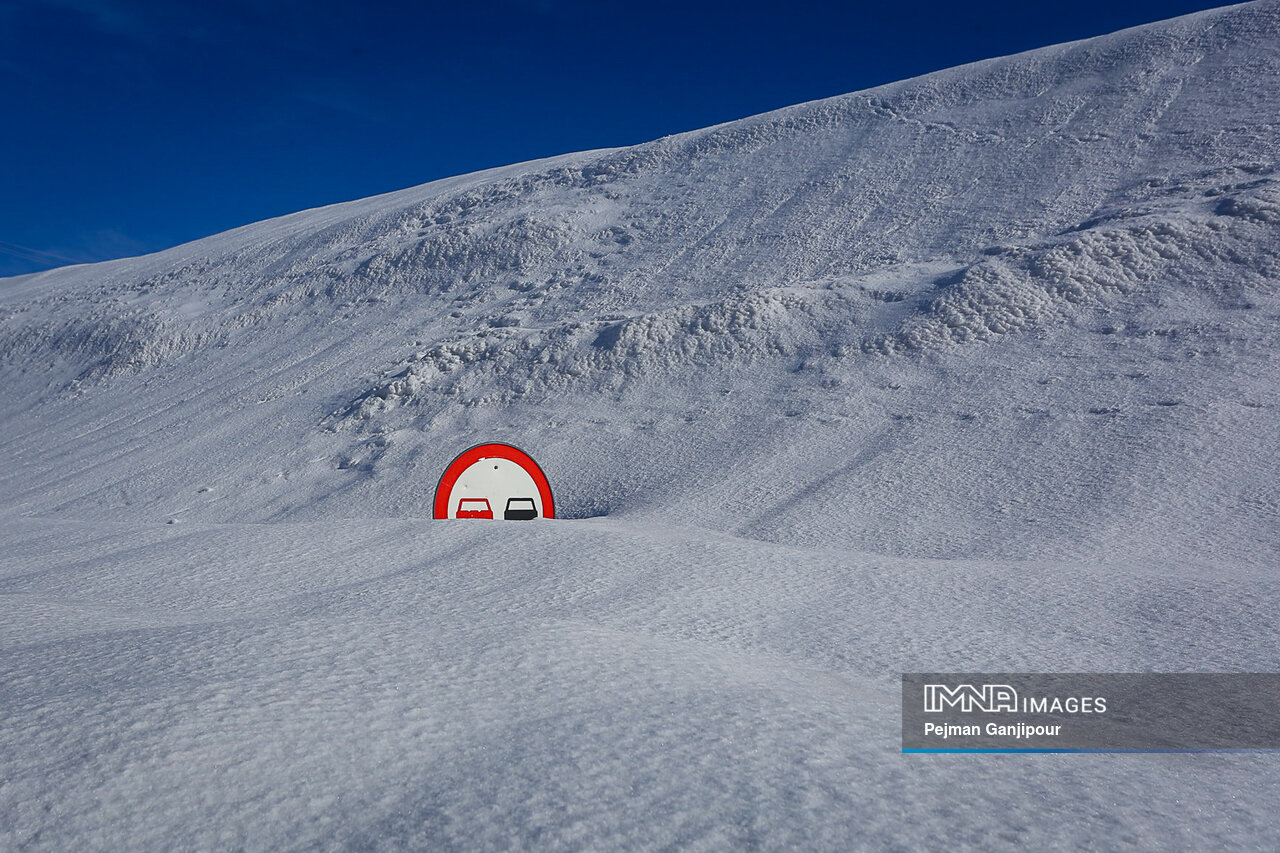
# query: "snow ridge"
{"type": "Point", "coordinates": [1190, 236]}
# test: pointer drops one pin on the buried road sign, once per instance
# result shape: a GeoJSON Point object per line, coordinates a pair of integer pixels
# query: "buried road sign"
{"type": "Point", "coordinates": [490, 479]}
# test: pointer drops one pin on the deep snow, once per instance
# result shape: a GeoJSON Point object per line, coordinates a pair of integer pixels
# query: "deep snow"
{"type": "Point", "coordinates": [971, 372]}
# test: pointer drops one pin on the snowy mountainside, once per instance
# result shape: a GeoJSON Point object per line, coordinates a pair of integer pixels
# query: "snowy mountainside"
{"type": "Point", "coordinates": [695, 305]}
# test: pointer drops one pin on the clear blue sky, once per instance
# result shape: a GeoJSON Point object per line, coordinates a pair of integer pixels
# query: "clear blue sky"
{"type": "Point", "coordinates": [133, 125]}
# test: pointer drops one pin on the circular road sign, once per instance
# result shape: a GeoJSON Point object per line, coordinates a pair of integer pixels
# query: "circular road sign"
{"type": "Point", "coordinates": [494, 481]}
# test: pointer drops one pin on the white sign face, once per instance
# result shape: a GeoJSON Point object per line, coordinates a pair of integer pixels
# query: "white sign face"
{"type": "Point", "coordinates": [494, 487]}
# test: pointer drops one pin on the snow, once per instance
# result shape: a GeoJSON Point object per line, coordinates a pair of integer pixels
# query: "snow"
{"type": "Point", "coordinates": [972, 372]}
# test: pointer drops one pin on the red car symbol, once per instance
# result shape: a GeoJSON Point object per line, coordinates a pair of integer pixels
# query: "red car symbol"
{"type": "Point", "coordinates": [474, 508]}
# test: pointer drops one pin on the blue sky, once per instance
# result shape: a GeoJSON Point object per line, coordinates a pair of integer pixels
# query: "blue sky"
{"type": "Point", "coordinates": [134, 125]}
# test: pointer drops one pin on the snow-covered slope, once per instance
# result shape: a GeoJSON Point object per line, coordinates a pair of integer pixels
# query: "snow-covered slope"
{"type": "Point", "coordinates": [818, 284]}
{"type": "Point", "coordinates": [976, 370]}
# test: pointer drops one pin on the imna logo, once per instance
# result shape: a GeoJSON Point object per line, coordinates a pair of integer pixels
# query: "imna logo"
{"type": "Point", "coordinates": [967, 698]}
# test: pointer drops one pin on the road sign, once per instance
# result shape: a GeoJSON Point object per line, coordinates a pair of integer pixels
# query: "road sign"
{"type": "Point", "coordinates": [494, 481]}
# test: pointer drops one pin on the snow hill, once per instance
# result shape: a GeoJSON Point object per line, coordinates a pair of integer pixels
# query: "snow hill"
{"type": "Point", "coordinates": [976, 371]}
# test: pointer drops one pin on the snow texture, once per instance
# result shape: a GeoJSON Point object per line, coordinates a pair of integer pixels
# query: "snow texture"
{"type": "Point", "coordinates": [971, 372]}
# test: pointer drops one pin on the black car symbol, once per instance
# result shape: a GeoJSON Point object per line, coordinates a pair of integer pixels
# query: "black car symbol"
{"type": "Point", "coordinates": [520, 509]}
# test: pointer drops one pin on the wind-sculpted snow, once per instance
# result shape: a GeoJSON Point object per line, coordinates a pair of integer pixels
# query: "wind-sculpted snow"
{"type": "Point", "coordinates": [1118, 255]}
{"type": "Point", "coordinates": [976, 371]}
{"type": "Point", "coordinates": [502, 364]}
{"type": "Point", "coordinates": [1190, 239]}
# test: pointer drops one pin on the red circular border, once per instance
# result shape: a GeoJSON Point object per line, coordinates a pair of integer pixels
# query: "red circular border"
{"type": "Point", "coordinates": [467, 458]}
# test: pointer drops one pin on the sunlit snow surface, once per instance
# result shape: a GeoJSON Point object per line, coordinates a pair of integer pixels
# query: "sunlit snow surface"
{"type": "Point", "coordinates": [971, 372]}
